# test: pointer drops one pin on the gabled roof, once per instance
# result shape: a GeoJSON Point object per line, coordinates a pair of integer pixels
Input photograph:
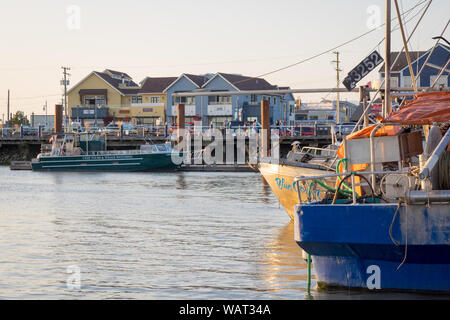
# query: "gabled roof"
{"type": "Point", "coordinates": [196, 80]}
{"type": "Point", "coordinates": [246, 83]}
{"type": "Point", "coordinates": [156, 85]}
{"type": "Point", "coordinates": [131, 86]}
{"type": "Point", "coordinates": [402, 62]}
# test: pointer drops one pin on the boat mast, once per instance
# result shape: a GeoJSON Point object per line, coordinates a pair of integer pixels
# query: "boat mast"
{"type": "Point", "coordinates": [387, 63]}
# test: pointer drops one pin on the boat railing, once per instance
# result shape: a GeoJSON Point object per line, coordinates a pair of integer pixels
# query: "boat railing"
{"type": "Point", "coordinates": [322, 152]}
{"type": "Point", "coordinates": [314, 180]}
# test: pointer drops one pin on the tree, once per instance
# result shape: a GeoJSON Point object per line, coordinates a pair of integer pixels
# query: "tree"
{"type": "Point", "coordinates": [19, 118]}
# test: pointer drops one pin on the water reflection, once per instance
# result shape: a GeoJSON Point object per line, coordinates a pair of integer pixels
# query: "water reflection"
{"type": "Point", "coordinates": [266, 191]}
{"type": "Point", "coordinates": [282, 265]}
{"type": "Point", "coordinates": [181, 182]}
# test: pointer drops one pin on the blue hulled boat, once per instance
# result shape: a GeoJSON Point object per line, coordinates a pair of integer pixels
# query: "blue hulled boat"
{"type": "Point", "coordinates": [377, 246]}
{"type": "Point", "coordinates": [390, 229]}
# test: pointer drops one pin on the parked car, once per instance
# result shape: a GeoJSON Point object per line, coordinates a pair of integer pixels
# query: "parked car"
{"type": "Point", "coordinates": [345, 128]}
{"type": "Point", "coordinates": [307, 131]}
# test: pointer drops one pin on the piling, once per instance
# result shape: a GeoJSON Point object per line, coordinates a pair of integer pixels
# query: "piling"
{"type": "Point", "coordinates": [58, 118]}
{"type": "Point", "coordinates": [180, 121]}
{"type": "Point", "coordinates": [265, 128]}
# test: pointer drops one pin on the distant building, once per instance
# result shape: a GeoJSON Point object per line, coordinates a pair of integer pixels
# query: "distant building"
{"type": "Point", "coordinates": [400, 74]}
{"type": "Point", "coordinates": [220, 109]}
{"type": "Point", "coordinates": [193, 105]}
{"type": "Point", "coordinates": [150, 109]}
{"type": "Point", "coordinates": [47, 121]}
{"type": "Point", "coordinates": [114, 96]}
{"type": "Point", "coordinates": [101, 95]}
{"type": "Point", "coordinates": [325, 111]}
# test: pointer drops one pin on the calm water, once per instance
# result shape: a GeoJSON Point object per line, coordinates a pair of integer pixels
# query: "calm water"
{"type": "Point", "coordinates": [148, 236]}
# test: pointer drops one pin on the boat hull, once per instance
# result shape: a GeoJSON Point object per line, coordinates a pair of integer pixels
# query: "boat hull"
{"type": "Point", "coordinates": [356, 246]}
{"type": "Point", "coordinates": [126, 163]}
{"type": "Point", "coordinates": [280, 178]}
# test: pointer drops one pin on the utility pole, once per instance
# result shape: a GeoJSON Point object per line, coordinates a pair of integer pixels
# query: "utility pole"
{"type": "Point", "coordinates": [7, 114]}
{"type": "Point", "coordinates": [46, 121]}
{"type": "Point", "coordinates": [65, 83]}
{"type": "Point", "coordinates": [337, 61]}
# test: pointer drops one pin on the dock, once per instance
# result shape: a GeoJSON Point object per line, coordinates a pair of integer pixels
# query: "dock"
{"type": "Point", "coordinates": [26, 165]}
{"type": "Point", "coordinates": [217, 168]}
{"type": "Point", "coordinates": [20, 165]}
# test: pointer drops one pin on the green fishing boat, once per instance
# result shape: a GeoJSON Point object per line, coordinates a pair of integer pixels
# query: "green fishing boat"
{"type": "Point", "coordinates": [91, 155]}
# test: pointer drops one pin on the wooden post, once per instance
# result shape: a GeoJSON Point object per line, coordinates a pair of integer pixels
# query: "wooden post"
{"type": "Point", "coordinates": [265, 128]}
{"type": "Point", "coordinates": [58, 118]}
{"type": "Point", "coordinates": [180, 121]}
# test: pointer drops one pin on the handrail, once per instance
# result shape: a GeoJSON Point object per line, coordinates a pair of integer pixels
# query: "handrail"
{"type": "Point", "coordinates": [345, 174]}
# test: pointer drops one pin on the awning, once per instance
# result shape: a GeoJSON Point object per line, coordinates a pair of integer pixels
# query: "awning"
{"type": "Point", "coordinates": [426, 108]}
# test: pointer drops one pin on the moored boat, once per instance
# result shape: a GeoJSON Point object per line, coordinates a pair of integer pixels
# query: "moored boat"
{"type": "Point", "coordinates": [91, 155]}
{"type": "Point", "coordinates": [393, 233]}
{"type": "Point", "coordinates": [308, 161]}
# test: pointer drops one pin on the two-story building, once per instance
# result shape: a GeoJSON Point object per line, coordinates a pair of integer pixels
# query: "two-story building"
{"type": "Point", "coordinates": [114, 96]}
{"type": "Point", "coordinates": [220, 109]}
{"type": "Point", "coordinates": [400, 73]}
{"type": "Point", "coordinates": [103, 95]}
{"type": "Point", "coordinates": [150, 108]}
{"type": "Point", "coordinates": [193, 107]}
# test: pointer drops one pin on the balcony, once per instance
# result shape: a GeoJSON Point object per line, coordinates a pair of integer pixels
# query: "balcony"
{"type": "Point", "coordinates": [220, 109]}
{"type": "Point", "coordinates": [148, 104]}
{"type": "Point", "coordinates": [189, 110]}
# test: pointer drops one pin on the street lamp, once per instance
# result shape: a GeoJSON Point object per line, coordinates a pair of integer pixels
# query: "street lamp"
{"type": "Point", "coordinates": [45, 109]}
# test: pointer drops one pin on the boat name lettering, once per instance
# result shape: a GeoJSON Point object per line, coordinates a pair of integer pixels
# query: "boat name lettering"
{"type": "Point", "coordinates": [113, 157]}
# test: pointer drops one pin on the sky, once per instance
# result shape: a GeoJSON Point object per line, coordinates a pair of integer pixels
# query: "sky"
{"type": "Point", "coordinates": [167, 38]}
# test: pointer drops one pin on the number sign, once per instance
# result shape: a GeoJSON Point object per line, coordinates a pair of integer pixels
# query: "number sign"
{"type": "Point", "coordinates": [362, 69]}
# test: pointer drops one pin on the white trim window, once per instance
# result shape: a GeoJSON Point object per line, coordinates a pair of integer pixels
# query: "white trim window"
{"type": "Point", "coordinates": [136, 99]}
{"type": "Point", "coordinates": [219, 100]}
{"type": "Point", "coordinates": [443, 80]}
{"type": "Point", "coordinates": [154, 99]}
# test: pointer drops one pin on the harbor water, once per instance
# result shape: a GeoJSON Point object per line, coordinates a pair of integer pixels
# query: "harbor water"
{"type": "Point", "coordinates": [180, 235]}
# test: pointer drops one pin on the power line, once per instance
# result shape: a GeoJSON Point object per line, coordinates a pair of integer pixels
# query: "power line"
{"type": "Point", "coordinates": [327, 51]}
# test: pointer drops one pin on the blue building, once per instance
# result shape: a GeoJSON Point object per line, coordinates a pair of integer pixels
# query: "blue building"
{"type": "Point", "coordinates": [400, 73]}
{"type": "Point", "coordinates": [193, 107]}
{"type": "Point", "coordinates": [220, 109]}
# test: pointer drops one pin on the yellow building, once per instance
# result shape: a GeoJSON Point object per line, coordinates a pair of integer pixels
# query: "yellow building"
{"type": "Point", "coordinates": [153, 101]}
{"type": "Point", "coordinates": [113, 96]}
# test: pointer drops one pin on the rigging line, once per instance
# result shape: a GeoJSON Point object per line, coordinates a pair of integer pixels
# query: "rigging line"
{"type": "Point", "coordinates": [393, 63]}
{"type": "Point", "coordinates": [396, 28]}
{"type": "Point", "coordinates": [327, 51]}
